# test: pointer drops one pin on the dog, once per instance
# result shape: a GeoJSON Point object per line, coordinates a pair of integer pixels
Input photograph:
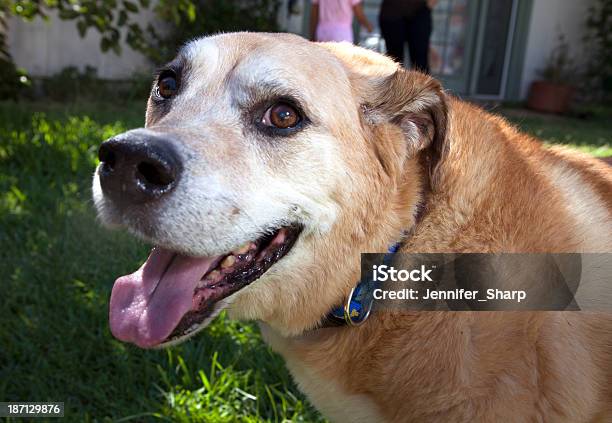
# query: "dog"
{"type": "Point", "coordinates": [268, 163]}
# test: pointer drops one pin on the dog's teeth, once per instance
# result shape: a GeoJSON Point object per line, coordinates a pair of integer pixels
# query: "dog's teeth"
{"type": "Point", "coordinates": [228, 262]}
{"type": "Point", "coordinates": [246, 247]}
{"type": "Point", "coordinates": [214, 275]}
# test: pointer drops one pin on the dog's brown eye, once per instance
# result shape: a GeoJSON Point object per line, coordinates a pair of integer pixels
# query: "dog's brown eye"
{"type": "Point", "coordinates": [167, 86]}
{"type": "Point", "coordinates": [281, 116]}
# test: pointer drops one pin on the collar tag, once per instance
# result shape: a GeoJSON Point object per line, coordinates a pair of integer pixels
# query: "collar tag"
{"type": "Point", "coordinates": [360, 301]}
{"type": "Point", "coordinates": [358, 306]}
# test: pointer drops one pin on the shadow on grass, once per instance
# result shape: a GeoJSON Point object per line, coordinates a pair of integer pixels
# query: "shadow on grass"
{"type": "Point", "coordinates": [58, 267]}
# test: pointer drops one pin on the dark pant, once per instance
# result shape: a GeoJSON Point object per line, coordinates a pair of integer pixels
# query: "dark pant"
{"type": "Point", "coordinates": [415, 30]}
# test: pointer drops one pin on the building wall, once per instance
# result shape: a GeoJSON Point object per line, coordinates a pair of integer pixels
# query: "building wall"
{"type": "Point", "coordinates": [292, 19]}
{"type": "Point", "coordinates": [45, 48]}
{"type": "Point", "coordinates": [548, 19]}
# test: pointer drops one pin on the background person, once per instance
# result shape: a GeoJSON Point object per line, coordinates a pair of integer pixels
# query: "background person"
{"type": "Point", "coordinates": [332, 20]}
{"type": "Point", "coordinates": [408, 21]}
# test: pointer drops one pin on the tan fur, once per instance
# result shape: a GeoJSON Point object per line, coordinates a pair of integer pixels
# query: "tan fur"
{"type": "Point", "coordinates": [383, 143]}
{"type": "Point", "coordinates": [497, 192]}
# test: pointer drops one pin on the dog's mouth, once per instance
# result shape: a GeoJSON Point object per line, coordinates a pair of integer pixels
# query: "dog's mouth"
{"type": "Point", "coordinates": [173, 295]}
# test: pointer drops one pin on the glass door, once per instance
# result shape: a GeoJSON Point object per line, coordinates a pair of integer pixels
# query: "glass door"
{"type": "Point", "coordinates": [452, 42]}
{"type": "Point", "coordinates": [494, 47]}
{"type": "Point", "coordinates": [473, 44]}
{"type": "Point", "coordinates": [455, 24]}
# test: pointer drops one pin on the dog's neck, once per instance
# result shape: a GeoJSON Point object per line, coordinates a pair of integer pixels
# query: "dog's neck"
{"type": "Point", "coordinates": [356, 308]}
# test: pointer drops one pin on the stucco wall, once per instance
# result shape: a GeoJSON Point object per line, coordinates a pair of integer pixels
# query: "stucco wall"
{"type": "Point", "coordinates": [548, 19]}
{"type": "Point", "coordinates": [45, 48]}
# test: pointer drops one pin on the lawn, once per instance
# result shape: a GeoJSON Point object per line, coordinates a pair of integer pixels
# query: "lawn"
{"type": "Point", "coordinates": [589, 130]}
{"type": "Point", "coordinates": [58, 265]}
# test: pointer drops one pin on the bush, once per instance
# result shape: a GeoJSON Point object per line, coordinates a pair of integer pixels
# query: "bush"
{"type": "Point", "coordinates": [191, 19]}
{"type": "Point", "coordinates": [70, 84]}
{"type": "Point", "coordinates": [599, 41]}
{"type": "Point", "coordinates": [14, 82]}
{"type": "Point", "coordinates": [11, 79]}
{"type": "Point", "coordinates": [184, 20]}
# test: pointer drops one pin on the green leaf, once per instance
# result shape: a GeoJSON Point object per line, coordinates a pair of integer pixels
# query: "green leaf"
{"type": "Point", "coordinates": [82, 28]}
{"type": "Point", "coordinates": [105, 44]}
{"type": "Point", "coordinates": [130, 6]}
{"type": "Point", "coordinates": [123, 17]}
{"type": "Point", "coordinates": [192, 12]}
{"type": "Point", "coordinates": [68, 14]}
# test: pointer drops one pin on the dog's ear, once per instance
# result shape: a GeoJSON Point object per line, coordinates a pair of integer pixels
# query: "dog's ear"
{"type": "Point", "coordinates": [416, 104]}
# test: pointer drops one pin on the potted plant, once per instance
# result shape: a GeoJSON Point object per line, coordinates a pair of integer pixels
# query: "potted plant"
{"type": "Point", "coordinates": [553, 92]}
{"type": "Point", "coordinates": [599, 42]}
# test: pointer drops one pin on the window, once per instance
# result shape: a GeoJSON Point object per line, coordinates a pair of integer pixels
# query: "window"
{"type": "Point", "coordinates": [448, 41]}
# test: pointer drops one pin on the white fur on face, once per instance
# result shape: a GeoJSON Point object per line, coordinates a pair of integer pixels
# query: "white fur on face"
{"type": "Point", "coordinates": [237, 184]}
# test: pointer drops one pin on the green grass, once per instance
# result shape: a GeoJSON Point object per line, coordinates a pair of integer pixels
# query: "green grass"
{"type": "Point", "coordinates": [592, 134]}
{"type": "Point", "coordinates": [58, 265]}
{"type": "Point", "coordinates": [57, 268]}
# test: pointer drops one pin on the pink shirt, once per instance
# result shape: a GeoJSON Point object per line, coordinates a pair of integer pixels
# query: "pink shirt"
{"type": "Point", "coordinates": [335, 20]}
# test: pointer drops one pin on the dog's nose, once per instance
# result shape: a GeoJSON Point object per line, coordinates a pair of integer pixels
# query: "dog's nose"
{"type": "Point", "coordinates": [137, 167]}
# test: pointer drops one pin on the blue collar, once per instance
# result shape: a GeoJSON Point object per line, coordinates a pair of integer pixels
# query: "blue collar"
{"type": "Point", "coordinates": [361, 299]}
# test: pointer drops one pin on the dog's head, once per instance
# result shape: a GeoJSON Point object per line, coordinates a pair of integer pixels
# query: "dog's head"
{"type": "Point", "coordinates": [267, 164]}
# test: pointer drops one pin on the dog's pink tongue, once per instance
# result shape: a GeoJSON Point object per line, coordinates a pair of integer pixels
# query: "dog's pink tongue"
{"type": "Point", "coordinates": [147, 305]}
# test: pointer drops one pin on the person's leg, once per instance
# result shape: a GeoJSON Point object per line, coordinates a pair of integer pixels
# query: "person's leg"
{"type": "Point", "coordinates": [418, 34]}
{"type": "Point", "coordinates": [394, 32]}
